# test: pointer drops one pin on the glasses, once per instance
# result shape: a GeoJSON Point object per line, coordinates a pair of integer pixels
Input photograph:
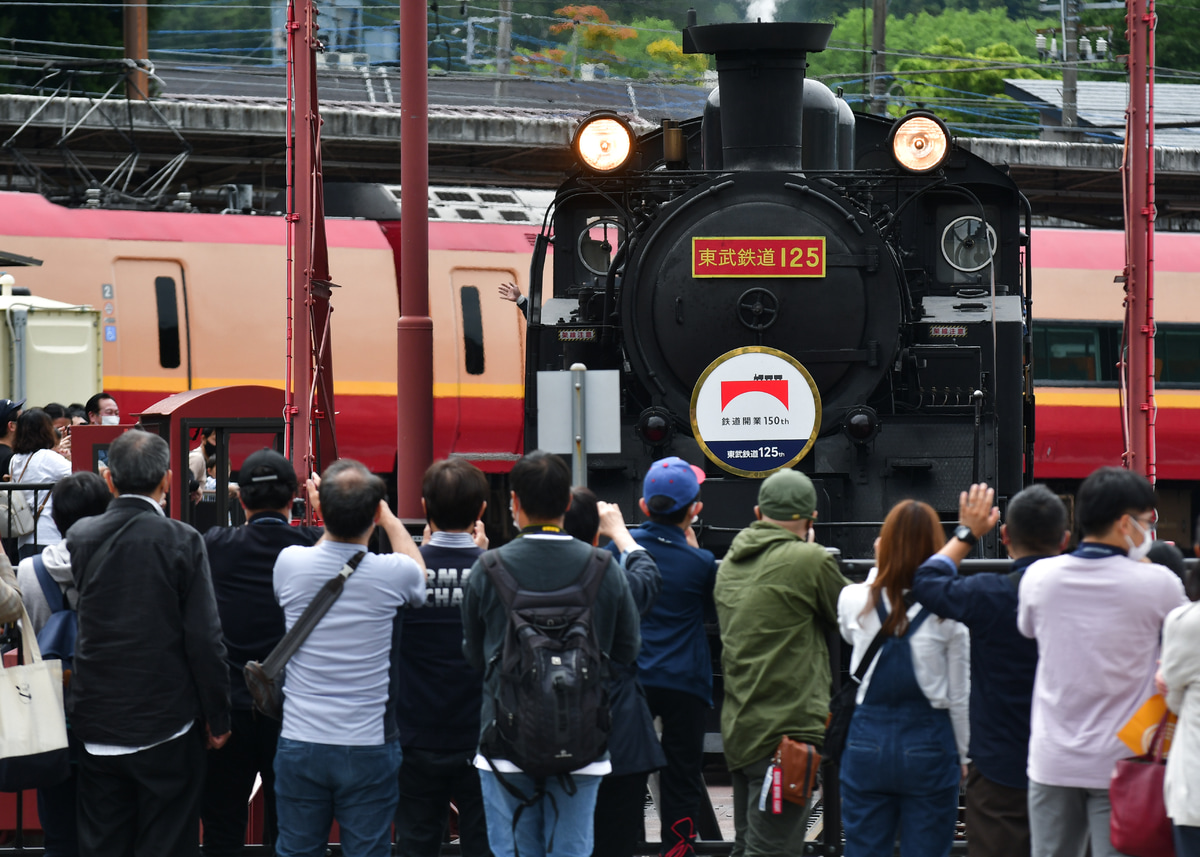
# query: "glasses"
{"type": "Point", "coordinates": [1147, 520]}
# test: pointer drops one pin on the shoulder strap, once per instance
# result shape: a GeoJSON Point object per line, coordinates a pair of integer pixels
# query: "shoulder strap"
{"type": "Point", "coordinates": [54, 596]}
{"type": "Point", "coordinates": [27, 462]}
{"type": "Point", "coordinates": [876, 643]}
{"type": "Point", "coordinates": [42, 505]}
{"type": "Point", "coordinates": [917, 620]}
{"type": "Point", "coordinates": [869, 655]}
{"type": "Point", "coordinates": [506, 585]}
{"type": "Point", "coordinates": [593, 573]}
{"type": "Point", "coordinates": [1014, 577]}
{"type": "Point", "coordinates": [316, 609]}
{"type": "Point", "coordinates": [105, 547]}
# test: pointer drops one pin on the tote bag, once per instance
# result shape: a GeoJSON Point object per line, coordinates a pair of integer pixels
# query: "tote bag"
{"type": "Point", "coordinates": [1139, 825]}
{"type": "Point", "coordinates": [33, 729]}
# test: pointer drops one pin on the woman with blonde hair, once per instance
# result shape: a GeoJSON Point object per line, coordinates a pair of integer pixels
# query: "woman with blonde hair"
{"type": "Point", "coordinates": [906, 750]}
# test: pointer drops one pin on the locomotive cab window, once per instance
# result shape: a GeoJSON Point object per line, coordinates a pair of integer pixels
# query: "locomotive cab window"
{"type": "Point", "coordinates": [472, 330]}
{"type": "Point", "coordinates": [168, 322]}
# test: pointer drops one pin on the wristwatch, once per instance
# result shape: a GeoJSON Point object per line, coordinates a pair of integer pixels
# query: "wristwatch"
{"type": "Point", "coordinates": [963, 533]}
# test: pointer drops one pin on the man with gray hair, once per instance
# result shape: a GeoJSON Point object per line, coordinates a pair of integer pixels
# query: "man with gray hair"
{"type": "Point", "coordinates": [150, 688]}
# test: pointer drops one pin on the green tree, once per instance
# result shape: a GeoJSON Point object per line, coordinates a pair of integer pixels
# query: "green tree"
{"type": "Point", "coordinates": [969, 90]}
{"type": "Point", "coordinates": [224, 34]}
{"type": "Point", "coordinates": [845, 60]}
{"type": "Point", "coordinates": [657, 52]}
{"type": "Point", "coordinates": [43, 34]}
{"type": "Point", "coordinates": [593, 34]}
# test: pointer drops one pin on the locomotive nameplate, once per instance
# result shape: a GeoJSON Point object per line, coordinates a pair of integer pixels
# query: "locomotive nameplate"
{"type": "Point", "coordinates": [802, 256]}
{"type": "Point", "coordinates": [755, 410]}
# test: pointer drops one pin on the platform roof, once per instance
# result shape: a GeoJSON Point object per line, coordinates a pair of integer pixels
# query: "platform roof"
{"type": "Point", "coordinates": [483, 131]}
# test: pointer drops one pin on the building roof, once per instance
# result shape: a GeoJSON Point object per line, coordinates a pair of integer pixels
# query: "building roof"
{"type": "Point", "coordinates": [651, 101]}
{"type": "Point", "coordinates": [1100, 106]}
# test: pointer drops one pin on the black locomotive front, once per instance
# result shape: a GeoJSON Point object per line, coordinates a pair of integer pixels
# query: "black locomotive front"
{"type": "Point", "coordinates": [880, 257]}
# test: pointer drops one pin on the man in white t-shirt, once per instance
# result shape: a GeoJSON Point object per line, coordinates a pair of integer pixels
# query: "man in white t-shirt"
{"type": "Point", "coordinates": [339, 749]}
{"type": "Point", "coordinates": [1097, 615]}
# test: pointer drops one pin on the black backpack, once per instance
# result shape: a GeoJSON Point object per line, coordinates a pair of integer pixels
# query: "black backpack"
{"type": "Point", "coordinates": [551, 706]}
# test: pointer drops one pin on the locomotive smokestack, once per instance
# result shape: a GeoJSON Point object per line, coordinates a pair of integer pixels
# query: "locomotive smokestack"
{"type": "Point", "coordinates": [760, 69]}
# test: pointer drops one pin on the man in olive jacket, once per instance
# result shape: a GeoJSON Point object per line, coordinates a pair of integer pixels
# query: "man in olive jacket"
{"type": "Point", "coordinates": [150, 688]}
{"type": "Point", "coordinates": [776, 595]}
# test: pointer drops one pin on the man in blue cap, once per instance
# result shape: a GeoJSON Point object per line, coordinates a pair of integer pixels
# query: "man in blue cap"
{"type": "Point", "coordinates": [675, 665]}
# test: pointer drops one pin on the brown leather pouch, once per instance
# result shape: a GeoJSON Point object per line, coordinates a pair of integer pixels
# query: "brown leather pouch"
{"type": "Point", "coordinates": [265, 689]}
{"type": "Point", "coordinates": [799, 763]}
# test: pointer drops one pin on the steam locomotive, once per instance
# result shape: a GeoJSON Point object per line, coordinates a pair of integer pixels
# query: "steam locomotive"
{"type": "Point", "coordinates": [783, 282]}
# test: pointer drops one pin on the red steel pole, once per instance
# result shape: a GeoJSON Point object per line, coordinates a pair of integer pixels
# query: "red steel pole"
{"type": "Point", "coordinates": [414, 331]}
{"type": "Point", "coordinates": [299, 217]}
{"type": "Point", "coordinates": [1139, 239]}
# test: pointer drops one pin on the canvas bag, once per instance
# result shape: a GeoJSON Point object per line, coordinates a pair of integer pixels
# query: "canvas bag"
{"type": "Point", "coordinates": [33, 728]}
{"type": "Point", "coordinates": [16, 518]}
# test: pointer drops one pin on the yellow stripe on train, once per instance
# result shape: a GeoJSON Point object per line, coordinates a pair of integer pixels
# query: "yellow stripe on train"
{"type": "Point", "coordinates": [1076, 398]}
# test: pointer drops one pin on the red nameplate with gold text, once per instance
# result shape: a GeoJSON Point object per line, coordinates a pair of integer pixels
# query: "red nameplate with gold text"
{"type": "Point", "coordinates": [758, 257]}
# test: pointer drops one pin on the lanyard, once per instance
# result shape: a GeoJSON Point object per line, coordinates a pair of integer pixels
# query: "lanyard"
{"type": "Point", "coordinates": [534, 529]}
{"type": "Point", "coordinates": [1095, 550]}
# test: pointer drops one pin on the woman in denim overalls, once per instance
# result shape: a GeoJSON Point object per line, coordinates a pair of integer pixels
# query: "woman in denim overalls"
{"type": "Point", "coordinates": [902, 764]}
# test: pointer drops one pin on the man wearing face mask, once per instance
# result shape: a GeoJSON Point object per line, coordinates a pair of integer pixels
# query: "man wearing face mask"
{"type": "Point", "coordinates": [1097, 615]}
{"type": "Point", "coordinates": [102, 410]}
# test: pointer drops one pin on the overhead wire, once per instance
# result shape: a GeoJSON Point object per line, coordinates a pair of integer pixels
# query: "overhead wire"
{"type": "Point", "coordinates": [968, 106]}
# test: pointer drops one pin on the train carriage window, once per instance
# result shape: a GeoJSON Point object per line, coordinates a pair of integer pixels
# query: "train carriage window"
{"type": "Point", "coordinates": [168, 322]}
{"type": "Point", "coordinates": [1177, 356]}
{"type": "Point", "coordinates": [472, 328]}
{"type": "Point", "coordinates": [1066, 353]}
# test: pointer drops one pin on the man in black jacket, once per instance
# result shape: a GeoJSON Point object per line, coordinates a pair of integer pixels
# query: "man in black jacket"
{"type": "Point", "coordinates": [242, 560]}
{"type": "Point", "coordinates": [150, 687]}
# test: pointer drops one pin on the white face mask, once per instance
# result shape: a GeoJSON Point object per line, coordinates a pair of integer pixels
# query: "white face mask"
{"type": "Point", "coordinates": [1138, 552]}
{"type": "Point", "coordinates": [110, 420]}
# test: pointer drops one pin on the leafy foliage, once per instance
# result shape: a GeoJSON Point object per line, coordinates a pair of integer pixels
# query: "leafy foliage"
{"type": "Point", "coordinates": [657, 51]}
{"type": "Point", "coordinates": [849, 49]}
{"type": "Point", "coordinates": [38, 34]}
{"type": "Point", "coordinates": [955, 93]}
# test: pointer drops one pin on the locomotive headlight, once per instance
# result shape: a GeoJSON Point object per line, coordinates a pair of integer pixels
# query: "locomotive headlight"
{"type": "Point", "coordinates": [604, 142]}
{"type": "Point", "coordinates": [920, 142]}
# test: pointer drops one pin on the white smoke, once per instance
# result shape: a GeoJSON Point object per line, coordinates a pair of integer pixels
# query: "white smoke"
{"type": "Point", "coordinates": [761, 10]}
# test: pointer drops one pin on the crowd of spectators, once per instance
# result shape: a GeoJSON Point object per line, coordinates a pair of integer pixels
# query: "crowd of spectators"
{"type": "Point", "coordinates": [1014, 682]}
